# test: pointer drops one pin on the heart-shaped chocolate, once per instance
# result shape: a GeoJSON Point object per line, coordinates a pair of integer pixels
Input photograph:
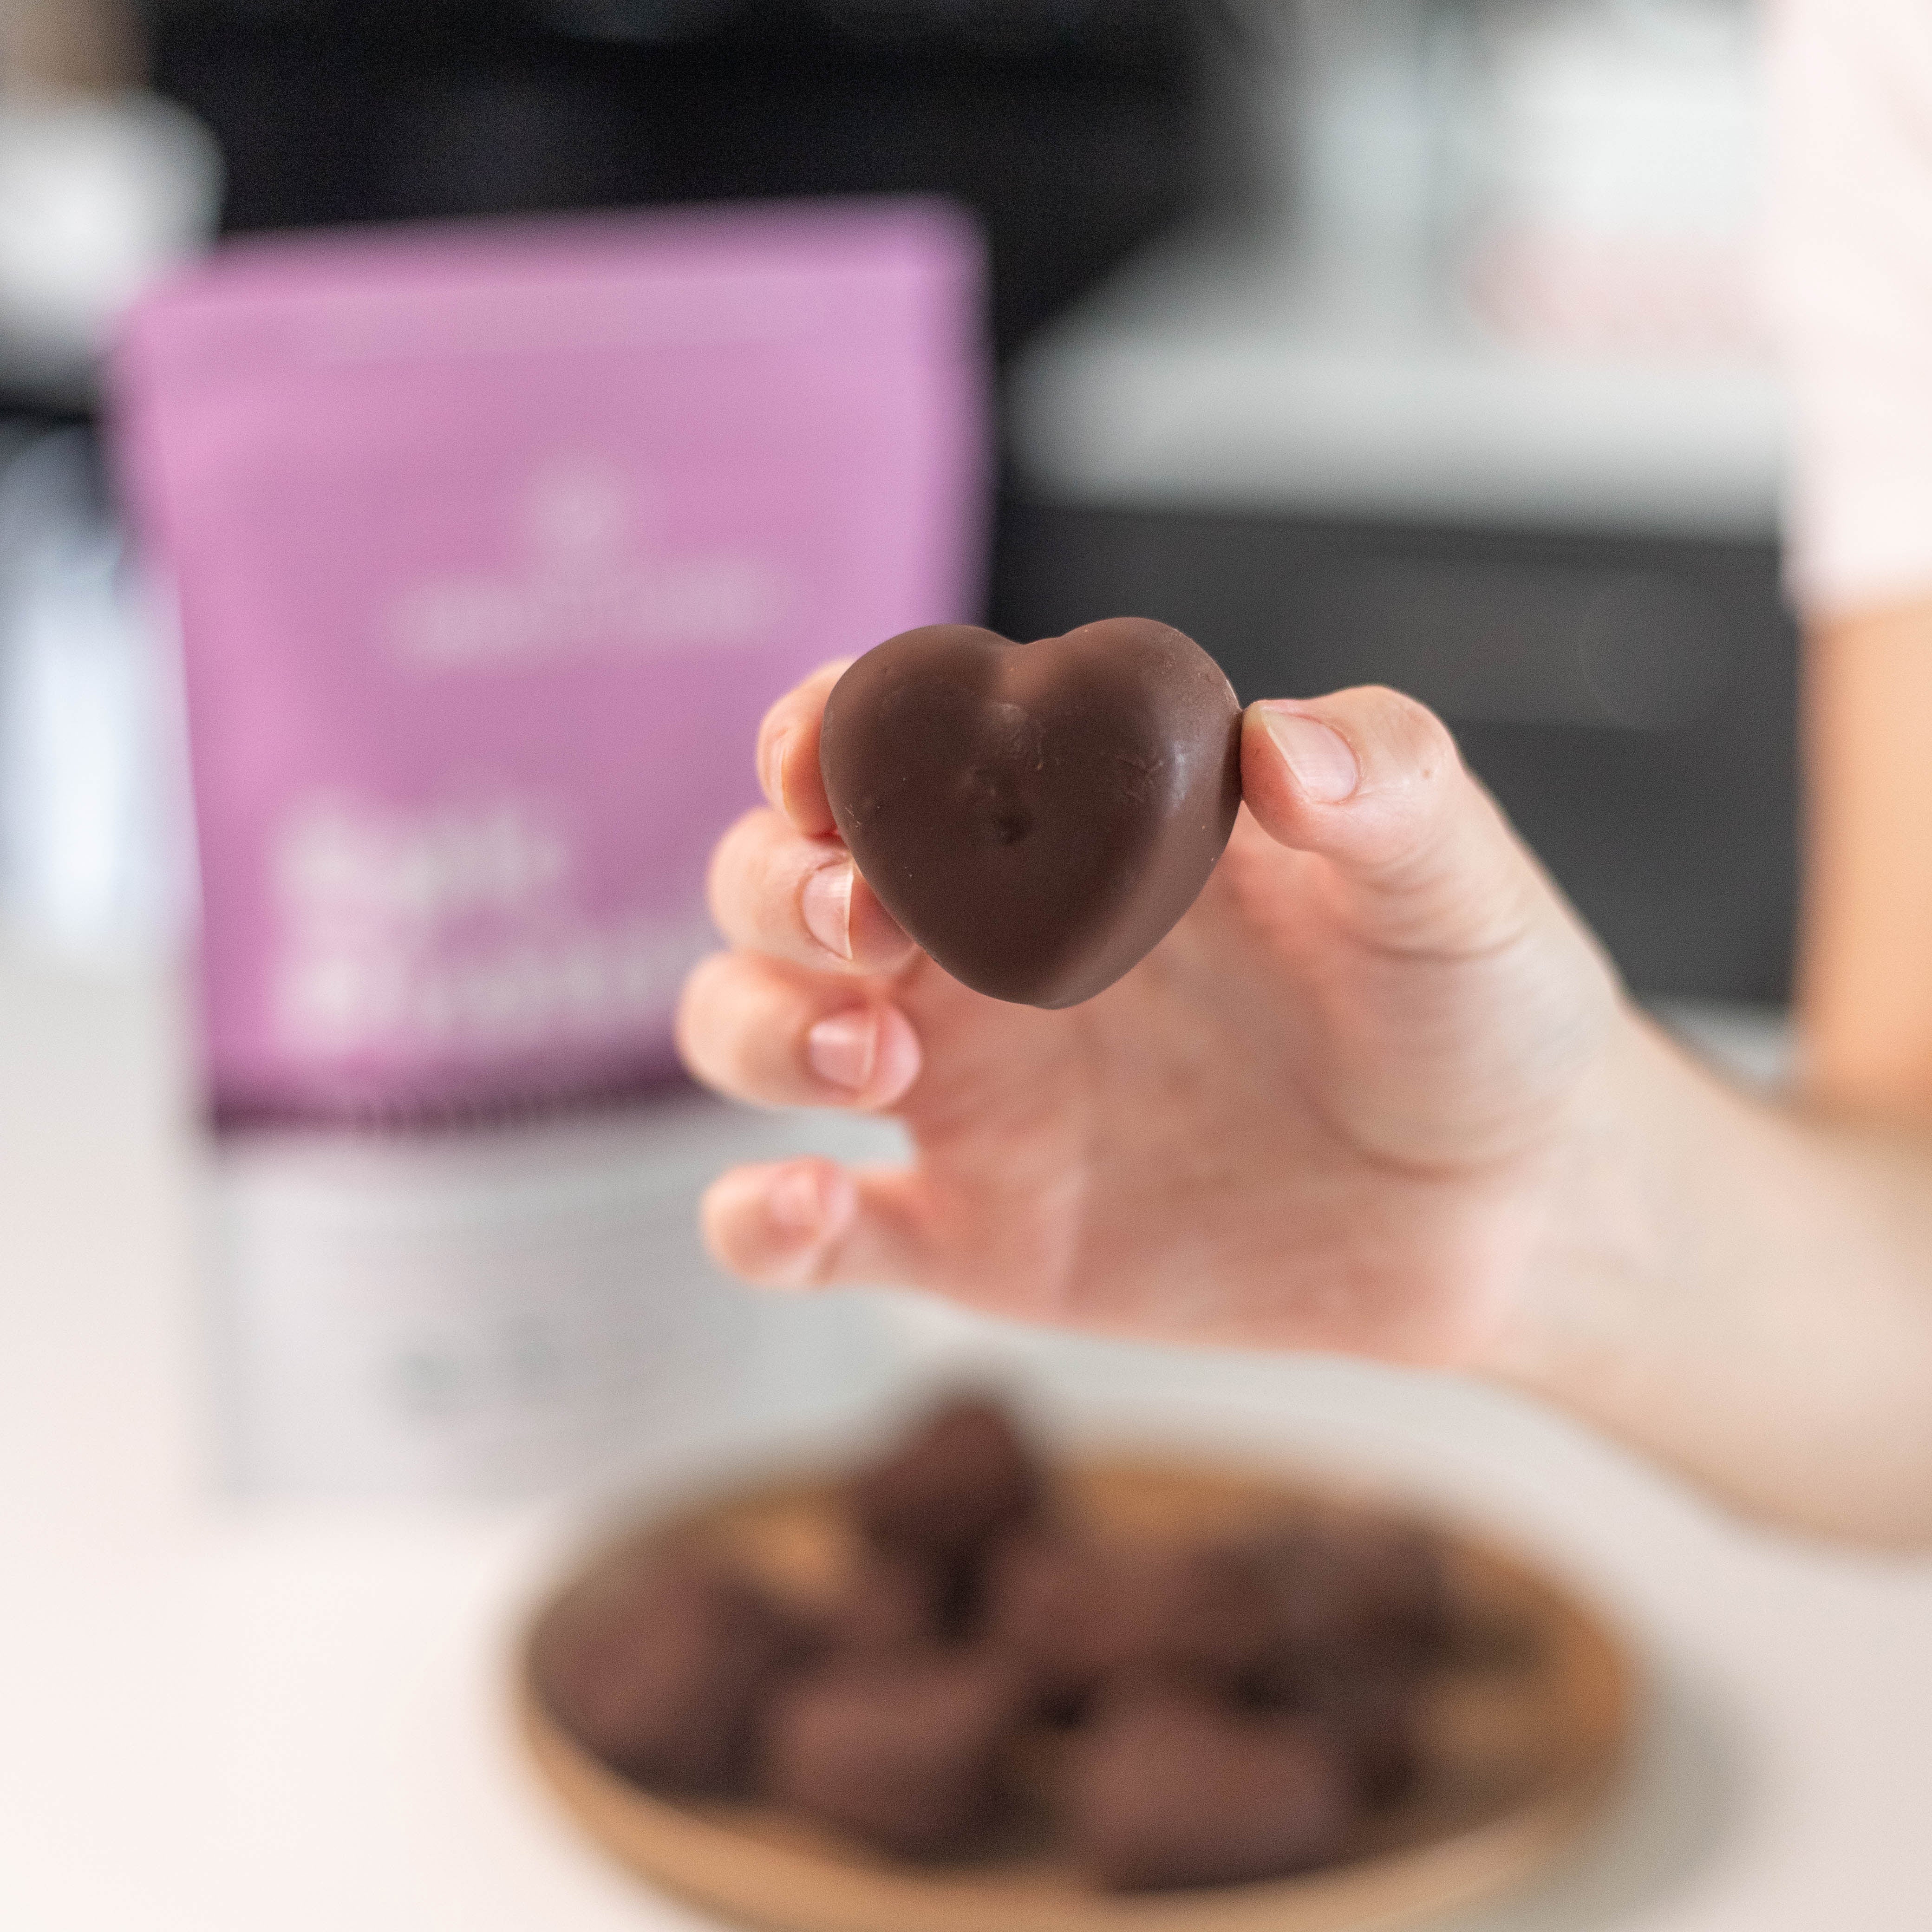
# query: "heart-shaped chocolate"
{"type": "Point", "coordinates": [1036, 816]}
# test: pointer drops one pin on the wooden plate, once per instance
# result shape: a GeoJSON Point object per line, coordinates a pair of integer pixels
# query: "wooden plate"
{"type": "Point", "coordinates": [1522, 1737]}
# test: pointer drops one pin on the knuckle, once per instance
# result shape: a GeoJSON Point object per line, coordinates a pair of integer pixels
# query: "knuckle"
{"type": "Point", "coordinates": [778, 715]}
{"type": "Point", "coordinates": [741, 1023]}
{"type": "Point", "coordinates": [727, 861]}
{"type": "Point", "coordinates": [756, 884]}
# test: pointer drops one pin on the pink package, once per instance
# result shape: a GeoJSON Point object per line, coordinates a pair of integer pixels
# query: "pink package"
{"type": "Point", "coordinates": [490, 546]}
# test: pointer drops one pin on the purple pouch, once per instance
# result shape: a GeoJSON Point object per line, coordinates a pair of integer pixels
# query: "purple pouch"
{"type": "Point", "coordinates": [491, 545]}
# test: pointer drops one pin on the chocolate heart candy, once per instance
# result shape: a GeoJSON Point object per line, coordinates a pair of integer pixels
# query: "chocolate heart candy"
{"type": "Point", "coordinates": [1036, 816]}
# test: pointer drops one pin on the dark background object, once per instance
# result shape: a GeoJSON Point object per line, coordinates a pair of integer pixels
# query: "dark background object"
{"type": "Point", "coordinates": [1630, 700]}
{"type": "Point", "coordinates": [1077, 129]}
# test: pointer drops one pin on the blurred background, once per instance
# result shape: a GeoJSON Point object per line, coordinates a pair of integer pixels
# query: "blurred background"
{"type": "Point", "coordinates": [1407, 340]}
{"type": "Point", "coordinates": [1414, 341]}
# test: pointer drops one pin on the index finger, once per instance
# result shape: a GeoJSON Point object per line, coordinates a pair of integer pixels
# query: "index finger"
{"type": "Point", "coordinates": [788, 751]}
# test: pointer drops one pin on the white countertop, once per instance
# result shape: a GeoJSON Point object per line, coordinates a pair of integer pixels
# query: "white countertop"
{"type": "Point", "coordinates": [223, 1718]}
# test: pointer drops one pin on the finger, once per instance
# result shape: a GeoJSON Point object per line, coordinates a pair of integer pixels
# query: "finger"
{"type": "Point", "coordinates": [760, 1030]}
{"type": "Point", "coordinates": [775, 891]}
{"type": "Point", "coordinates": [810, 1223]}
{"type": "Point", "coordinates": [788, 751]}
{"type": "Point", "coordinates": [1372, 781]}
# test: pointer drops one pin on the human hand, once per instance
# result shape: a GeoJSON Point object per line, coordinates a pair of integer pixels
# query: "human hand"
{"type": "Point", "coordinates": [1328, 1112]}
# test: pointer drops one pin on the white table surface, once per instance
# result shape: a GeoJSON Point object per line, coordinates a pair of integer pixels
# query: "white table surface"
{"type": "Point", "coordinates": [222, 1718]}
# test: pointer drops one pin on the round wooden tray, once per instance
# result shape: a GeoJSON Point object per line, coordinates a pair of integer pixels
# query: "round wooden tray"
{"type": "Point", "coordinates": [1522, 1740]}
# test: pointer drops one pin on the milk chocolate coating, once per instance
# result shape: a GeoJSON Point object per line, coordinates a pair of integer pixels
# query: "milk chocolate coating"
{"type": "Point", "coordinates": [895, 1603]}
{"type": "Point", "coordinates": [963, 1477]}
{"type": "Point", "coordinates": [907, 1752]}
{"type": "Point", "coordinates": [660, 1664]}
{"type": "Point", "coordinates": [1047, 1600]}
{"type": "Point", "coordinates": [1356, 1587]}
{"type": "Point", "coordinates": [1036, 816]}
{"type": "Point", "coordinates": [1370, 1717]}
{"type": "Point", "coordinates": [1083, 1615]}
{"type": "Point", "coordinates": [1170, 1789]}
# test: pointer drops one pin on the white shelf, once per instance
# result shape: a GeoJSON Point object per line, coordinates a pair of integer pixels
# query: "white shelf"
{"type": "Point", "coordinates": [1208, 378]}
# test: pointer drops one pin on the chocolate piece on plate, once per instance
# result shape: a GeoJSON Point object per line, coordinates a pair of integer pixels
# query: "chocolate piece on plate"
{"type": "Point", "coordinates": [1360, 1585]}
{"type": "Point", "coordinates": [894, 1604]}
{"type": "Point", "coordinates": [1083, 1613]}
{"type": "Point", "coordinates": [960, 1479]}
{"type": "Point", "coordinates": [1048, 1599]}
{"type": "Point", "coordinates": [1169, 1789]}
{"type": "Point", "coordinates": [1372, 1714]}
{"type": "Point", "coordinates": [1211, 1611]}
{"type": "Point", "coordinates": [907, 1752]}
{"type": "Point", "coordinates": [659, 1663]}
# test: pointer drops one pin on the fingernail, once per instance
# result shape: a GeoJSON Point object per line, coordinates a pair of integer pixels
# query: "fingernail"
{"type": "Point", "coordinates": [827, 907]}
{"type": "Point", "coordinates": [1323, 765]}
{"type": "Point", "coordinates": [796, 1201]}
{"type": "Point", "coordinates": [773, 773]}
{"type": "Point", "coordinates": [841, 1051]}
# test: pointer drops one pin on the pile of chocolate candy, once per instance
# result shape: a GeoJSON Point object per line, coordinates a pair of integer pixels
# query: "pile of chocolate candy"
{"type": "Point", "coordinates": [1172, 1713]}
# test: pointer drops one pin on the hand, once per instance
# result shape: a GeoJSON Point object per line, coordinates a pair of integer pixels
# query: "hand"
{"type": "Point", "coordinates": [1328, 1112]}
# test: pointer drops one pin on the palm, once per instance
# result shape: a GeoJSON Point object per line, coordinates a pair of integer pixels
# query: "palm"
{"type": "Point", "coordinates": [1319, 1114]}
{"type": "Point", "coordinates": [1272, 1130]}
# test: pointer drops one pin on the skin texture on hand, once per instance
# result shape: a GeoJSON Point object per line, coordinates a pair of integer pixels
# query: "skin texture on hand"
{"type": "Point", "coordinates": [1378, 1093]}
{"type": "Point", "coordinates": [1319, 1115]}
{"type": "Point", "coordinates": [1865, 966]}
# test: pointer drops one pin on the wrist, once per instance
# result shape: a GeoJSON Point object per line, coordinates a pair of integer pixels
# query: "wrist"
{"type": "Point", "coordinates": [1738, 1291]}
{"type": "Point", "coordinates": [1598, 1238]}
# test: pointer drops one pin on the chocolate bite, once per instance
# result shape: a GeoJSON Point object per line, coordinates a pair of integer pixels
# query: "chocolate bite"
{"type": "Point", "coordinates": [961, 1479]}
{"type": "Point", "coordinates": [660, 1664]}
{"type": "Point", "coordinates": [1350, 1587]}
{"type": "Point", "coordinates": [894, 1604]}
{"type": "Point", "coordinates": [1082, 1614]}
{"type": "Point", "coordinates": [1211, 1612]}
{"type": "Point", "coordinates": [1048, 1601]}
{"type": "Point", "coordinates": [1370, 1716]}
{"type": "Point", "coordinates": [907, 1752]}
{"type": "Point", "coordinates": [1226, 1710]}
{"type": "Point", "coordinates": [1036, 816]}
{"type": "Point", "coordinates": [1171, 1790]}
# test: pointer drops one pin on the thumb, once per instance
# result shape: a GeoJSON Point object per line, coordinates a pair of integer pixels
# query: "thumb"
{"type": "Point", "coordinates": [1372, 781]}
